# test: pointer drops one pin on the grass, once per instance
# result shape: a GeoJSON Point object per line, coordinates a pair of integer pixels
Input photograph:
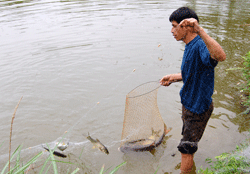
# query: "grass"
{"type": "Point", "coordinates": [19, 167]}
{"type": "Point", "coordinates": [246, 76]}
{"type": "Point", "coordinates": [245, 86]}
{"type": "Point", "coordinates": [228, 163]}
{"type": "Point", "coordinates": [114, 170]}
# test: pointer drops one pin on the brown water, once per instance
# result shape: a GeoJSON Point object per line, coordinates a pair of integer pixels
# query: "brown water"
{"type": "Point", "coordinates": [64, 57]}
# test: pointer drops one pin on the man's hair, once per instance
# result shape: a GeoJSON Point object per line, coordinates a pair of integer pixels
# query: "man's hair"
{"type": "Point", "coordinates": [183, 13]}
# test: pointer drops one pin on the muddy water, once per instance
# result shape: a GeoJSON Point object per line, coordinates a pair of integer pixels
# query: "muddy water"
{"type": "Point", "coordinates": [65, 57]}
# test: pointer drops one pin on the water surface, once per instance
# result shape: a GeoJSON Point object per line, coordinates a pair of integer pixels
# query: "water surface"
{"type": "Point", "coordinates": [65, 57]}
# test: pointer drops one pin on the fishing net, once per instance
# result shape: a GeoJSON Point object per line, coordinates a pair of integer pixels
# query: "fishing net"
{"type": "Point", "coordinates": [143, 127]}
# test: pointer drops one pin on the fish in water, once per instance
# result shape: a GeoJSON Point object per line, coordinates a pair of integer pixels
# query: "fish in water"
{"type": "Point", "coordinates": [97, 144]}
{"type": "Point", "coordinates": [151, 140]}
{"type": "Point", "coordinates": [56, 153]}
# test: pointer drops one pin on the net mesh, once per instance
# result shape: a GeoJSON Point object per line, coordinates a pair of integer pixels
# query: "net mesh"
{"type": "Point", "coordinates": [143, 127]}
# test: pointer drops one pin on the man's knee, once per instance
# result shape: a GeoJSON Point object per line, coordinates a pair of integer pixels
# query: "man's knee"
{"type": "Point", "coordinates": [187, 147]}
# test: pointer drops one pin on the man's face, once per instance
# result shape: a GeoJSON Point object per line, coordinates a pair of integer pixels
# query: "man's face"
{"type": "Point", "coordinates": [179, 32]}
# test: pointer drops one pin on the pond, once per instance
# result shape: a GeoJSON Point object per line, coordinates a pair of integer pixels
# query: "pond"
{"type": "Point", "coordinates": [74, 62]}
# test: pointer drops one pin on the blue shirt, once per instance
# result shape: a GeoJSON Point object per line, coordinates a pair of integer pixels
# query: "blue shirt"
{"type": "Point", "coordinates": [197, 72]}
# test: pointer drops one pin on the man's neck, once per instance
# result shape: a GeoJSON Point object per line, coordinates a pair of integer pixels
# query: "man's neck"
{"type": "Point", "coordinates": [189, 37]}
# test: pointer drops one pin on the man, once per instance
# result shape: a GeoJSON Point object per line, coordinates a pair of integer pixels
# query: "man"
{"type": "Point", "coordinates": [201, 55]}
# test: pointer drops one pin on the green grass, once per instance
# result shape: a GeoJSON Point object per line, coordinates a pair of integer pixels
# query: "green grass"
{"type": "Point", "coordinates": [20, 168]}
{"type": "Point", "coordinates": [246, 76]}
{"type": "Point", "coordinates": [228, 163]}
{"type": "Point", "coordinates": [245, 86]}
{"type": "Point", "coordinates": [114, 170]}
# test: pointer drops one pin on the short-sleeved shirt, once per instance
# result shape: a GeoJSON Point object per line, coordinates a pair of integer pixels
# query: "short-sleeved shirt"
{"type": "Point", "coordinates": [197, 71]}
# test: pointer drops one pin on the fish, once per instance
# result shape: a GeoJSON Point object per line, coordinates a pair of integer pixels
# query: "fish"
{"type": "Point", "coordinates": [151, 140]}
{"type": "Point", "coordinates": [148, 143]}
{"type": "Point", "coordinates": [97, 144]}
{"type": "Point", "coordinates": [56, 153]}
{"type": "Point", "coordinates": [155, 134]}
{"type": "Point", "coordinates": [62, 145]}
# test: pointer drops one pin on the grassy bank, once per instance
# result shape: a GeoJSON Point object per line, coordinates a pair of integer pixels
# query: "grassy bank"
{"type": "Point", "coordinates": [244, 85]}
{"type": "Point", "coordinates": [237, 161]}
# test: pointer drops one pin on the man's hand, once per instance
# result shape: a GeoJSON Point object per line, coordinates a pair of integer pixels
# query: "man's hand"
{"type": "Point", "coordinates": [165, 81]}
{"type": "Point", "coordinates": [168, 79]}
{"type": "Point", "coordinates": [191, 24]}
{"type": "Point", "coordinates": [213, 46]}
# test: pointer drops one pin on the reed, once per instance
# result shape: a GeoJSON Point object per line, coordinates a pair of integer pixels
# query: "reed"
{"type": "Point", "coordinates": [12, 120]}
